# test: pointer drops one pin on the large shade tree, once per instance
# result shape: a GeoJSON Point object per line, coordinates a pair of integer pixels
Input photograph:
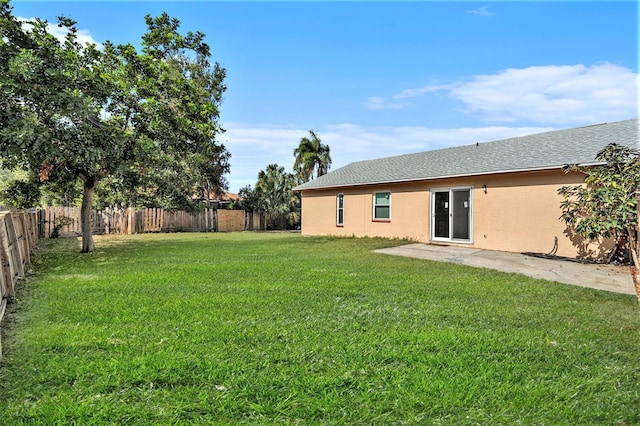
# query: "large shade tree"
{"type": "Point", "coordinates": [78, 113]}
{"type": "Point", "coordinates": [311, 157]}
{"type": "Point", "coordinates": [607, 204]}
{"type": "Point", "coordinates": [183, 117]}
{"type": "Point", "coordinates": [53, 120]}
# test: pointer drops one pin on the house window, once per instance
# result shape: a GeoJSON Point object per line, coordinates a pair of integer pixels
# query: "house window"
{"type": "Point", "coordinates": [340, 210]}
{"type": "Point", "coordinates": [382, 206]}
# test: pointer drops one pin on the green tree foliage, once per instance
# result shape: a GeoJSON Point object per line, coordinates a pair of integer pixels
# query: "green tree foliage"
{"type": "Point", "coordinates": [180, 112]}
{"type": "Point", "coordinates": [250, 199]}
{"type": "Point", "coordinates": [136, 120]}
{"type": "Point", "coordinates": [311, 157]}
{"type": "Point", "coordinates": [171, 106]}
{"type": "Point", "coordinates": [21, 194]}
{"type": "Point", "coordinates": [250, 202]}
{"type": "Point", "coordinates": [52, 120]}
{"type": "Point", "coordinates": [276, 198]}
{"type": "Point", "coordinates": [10, 182]}
{"type": "Point", "coordinates": [607, 206]}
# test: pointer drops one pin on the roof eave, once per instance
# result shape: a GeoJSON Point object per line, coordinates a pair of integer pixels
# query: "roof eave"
{"type": "Point", "coordinates": [493, 172]}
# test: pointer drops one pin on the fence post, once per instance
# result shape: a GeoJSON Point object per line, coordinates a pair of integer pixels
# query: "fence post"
{"type": "Point", "coordinates": [129, 221]}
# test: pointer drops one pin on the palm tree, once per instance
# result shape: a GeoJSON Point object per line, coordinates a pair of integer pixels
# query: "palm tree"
{"type": "Point", "coordinates": [277, 199]}
{"type": "Point", "coordinates": [312, 156]}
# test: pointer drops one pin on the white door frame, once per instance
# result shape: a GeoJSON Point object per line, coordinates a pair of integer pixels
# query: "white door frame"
{"type": "Point", "coordinates": [451, 212]}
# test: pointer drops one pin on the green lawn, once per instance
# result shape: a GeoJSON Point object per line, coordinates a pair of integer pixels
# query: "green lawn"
{"type": "Point", "coordinates": [285, 329]}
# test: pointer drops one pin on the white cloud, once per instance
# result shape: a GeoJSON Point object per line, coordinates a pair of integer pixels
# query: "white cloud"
{"type": "Point", "coordinates": [83, 36]}
{"type": "Point", "coordinates": [420, 91]}
{"type": "Point", "coordinates": [378, 102]}
{"type": "Point", "coordinates": [254, 147]}
{"type": "Point", "coordinates": [553, 94]}
{"type": "Point", "coordinates": [482, 11]}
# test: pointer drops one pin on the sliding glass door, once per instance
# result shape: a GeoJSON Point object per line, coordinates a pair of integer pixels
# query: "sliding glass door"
{"type": "Point", "coordinates": [451, 214]}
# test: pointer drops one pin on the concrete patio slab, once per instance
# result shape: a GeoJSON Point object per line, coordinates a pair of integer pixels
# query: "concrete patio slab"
{"type": "Point", "coordinates": [602, 277]}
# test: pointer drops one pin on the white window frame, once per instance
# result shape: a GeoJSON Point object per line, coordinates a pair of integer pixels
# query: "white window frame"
{"type": "Point", "coordinates": [432, 221]}
{"type": "Point", "coordinates": [339, 197]}
{"type": "Point", "coordinates": [383, 219]}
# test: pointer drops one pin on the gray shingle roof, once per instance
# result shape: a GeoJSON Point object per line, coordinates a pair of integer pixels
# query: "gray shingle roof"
{"type": "Point", "coordinates": [547, 150]}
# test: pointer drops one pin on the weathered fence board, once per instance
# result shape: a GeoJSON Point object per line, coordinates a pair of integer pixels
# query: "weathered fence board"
{"type": "Point", "coordinates": [17, 242]}
{"type": "Point", "coordinates": [18, 239]}
{"type": "Point", "coordinates": [12, 246]}
{"type": "Point", "coordinates": [59, 221]}
{"type": "Point", "coordinates": [7, 258]}
{"type": "Point", "coordinates": [65, 221]}
{"type": "Point", "coordinates": [231, 220]}
{"type": "Point", "coordinates": [22, 237]}
{"type": "Point", "coordinates": [252, 220]}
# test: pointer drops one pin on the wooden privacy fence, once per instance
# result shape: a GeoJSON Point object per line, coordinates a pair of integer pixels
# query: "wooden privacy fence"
{"type": "Point", "coordinates": [65, 221]}
{"type": "Point", "coordinates": [18, 239]}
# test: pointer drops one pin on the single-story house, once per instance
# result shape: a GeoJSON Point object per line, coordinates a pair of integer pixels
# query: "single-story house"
{"type": "Point", "coordinates": [499, 195]}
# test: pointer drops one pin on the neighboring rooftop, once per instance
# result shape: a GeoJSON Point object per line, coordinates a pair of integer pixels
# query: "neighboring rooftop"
{"type": "Point", "coordinates": [541, 151]}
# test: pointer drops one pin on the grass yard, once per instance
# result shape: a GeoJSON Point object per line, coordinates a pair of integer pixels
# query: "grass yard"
{"type": "Point", "coordinates": [284, 329]}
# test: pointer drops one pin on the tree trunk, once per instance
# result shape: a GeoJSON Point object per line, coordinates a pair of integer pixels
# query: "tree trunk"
{"type": "Point", "coordinates": [635, 274]}
{"type": "Point", "coordinates": [85, 215]}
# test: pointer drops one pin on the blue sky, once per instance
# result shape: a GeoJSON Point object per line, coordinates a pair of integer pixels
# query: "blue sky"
{"type": "Point", "coordinates": [376, 79]}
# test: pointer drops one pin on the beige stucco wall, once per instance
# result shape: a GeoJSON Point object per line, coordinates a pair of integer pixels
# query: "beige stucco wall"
{"type": "Point", "coordinates": [519, 212]}
{"type": "Point", "coordinates": [408, 202]}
